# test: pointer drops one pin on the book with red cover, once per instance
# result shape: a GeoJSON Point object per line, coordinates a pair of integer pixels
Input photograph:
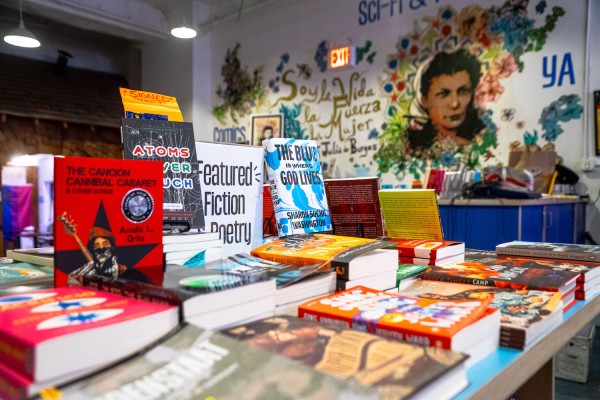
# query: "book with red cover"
{"type": "Point", "coordinates": [503, 273]}
{"type": "Point", "coordinates": [431, 262]}
{"type": "Point", "coordinates": [269, 221]}
{"type": "Point", "coordinates": [108, 219]}
{"type": "Point", "coordinates": [431, 249]}
{"type": "Point", "coordinates": [51, 333]}
{"type": "Point", "coordinates": [354, 207]}
{"type": "Point", "coordinates": [426, 322]}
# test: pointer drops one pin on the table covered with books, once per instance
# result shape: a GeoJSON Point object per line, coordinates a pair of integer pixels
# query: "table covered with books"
{"type": "Point", "coordinates": [505, 371]}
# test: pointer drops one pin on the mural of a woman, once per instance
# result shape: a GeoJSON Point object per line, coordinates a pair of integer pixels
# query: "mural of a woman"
{"type": "Point", "coordinates": [443, 106]}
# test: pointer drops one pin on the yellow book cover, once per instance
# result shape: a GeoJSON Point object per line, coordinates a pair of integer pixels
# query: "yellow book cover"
{"type": "Point", "coordinates": [148, 105]}
{"type": "Point", "coordinates": [330, 250]}
{"type": "Point", "coordinates": [411, 213]}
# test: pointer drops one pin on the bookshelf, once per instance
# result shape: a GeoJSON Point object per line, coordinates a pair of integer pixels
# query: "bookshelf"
{"type": "Point", "coordinates": [530, 372]}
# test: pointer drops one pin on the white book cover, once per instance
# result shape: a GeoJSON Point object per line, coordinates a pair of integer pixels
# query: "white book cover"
{"type": "Point", "coordinates": [297, 188]}
{"type": "Point", "coordinates": [231, 177]}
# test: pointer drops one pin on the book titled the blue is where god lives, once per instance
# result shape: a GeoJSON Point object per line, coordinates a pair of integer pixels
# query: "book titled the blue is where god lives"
{"type": "Point", "coordinates": [297, 189]}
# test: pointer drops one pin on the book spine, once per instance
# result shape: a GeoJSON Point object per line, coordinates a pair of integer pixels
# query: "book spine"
{"type": "Point", "coordinates": [316, 316]}
{"type": "Point", "coordinates": [342, 270]}
{"type": "Point", "coordinates": [10, 389]}
{"type": "Point", "coordinates": [455, 279]}
{"type": "Point", "coordinates": [17, 355]}
{"type": "Point", "coordinates": [580, 295]}
{"type": "Point", "coordinates": [282, 259]}
{"type": "Point", "coordinates": [531, 253]}
{"type": "Point", "coordinates": [418, 338]}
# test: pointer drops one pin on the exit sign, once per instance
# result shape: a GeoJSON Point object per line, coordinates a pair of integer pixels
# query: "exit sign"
{"type": "Point", "coordinates": [341, 57]}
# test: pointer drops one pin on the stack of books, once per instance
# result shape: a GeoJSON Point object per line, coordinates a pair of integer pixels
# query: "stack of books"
{"type": "Point", "coordinates": [507, 273]}
{"type": "Point", "coordinates": [581, 258]}
{"type": "Point", "coordinates": [467, 326]}
{"type": "Point", "coordinates": [356, 261]}
{"type": "Point", "coordinates": [526, 315]}
{"type": "Point", "coordinates": [295, 284]}
{"type": "Point", "coordinates": [429, 252]}
{"type": "Point", "coordinates": [41, 256]}
{"type": "Point", "coordinates": [52, 336]}
{"type": "Point", "coordinates": [192, 248]}
{"type": "Point", "coordinates": [396, 370]}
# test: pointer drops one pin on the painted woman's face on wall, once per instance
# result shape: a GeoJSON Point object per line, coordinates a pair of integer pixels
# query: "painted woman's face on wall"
{"type": "Point", "coordinates": [447, 101]}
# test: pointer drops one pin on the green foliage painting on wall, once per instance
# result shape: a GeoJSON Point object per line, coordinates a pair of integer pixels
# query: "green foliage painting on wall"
{"type": "Point", "coordinates": [243, 90]}
{"type": "Point", "coordinates": [441, 78]}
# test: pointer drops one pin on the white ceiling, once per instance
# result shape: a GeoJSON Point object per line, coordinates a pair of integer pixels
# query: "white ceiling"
{"type": "Point", "coordinates": [136, 20]}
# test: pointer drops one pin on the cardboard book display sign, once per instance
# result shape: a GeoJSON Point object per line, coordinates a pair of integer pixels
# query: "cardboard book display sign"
{"type": "Point", "coordinates": [540, 163]}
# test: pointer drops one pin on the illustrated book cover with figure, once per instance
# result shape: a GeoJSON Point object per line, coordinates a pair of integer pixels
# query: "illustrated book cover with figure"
{"type": "Point", "coordinates": [562, 251]}
{"type": "Point", "coordinates": [351, 257]}
{"type": "Point", "coordinates": [199, 364]}
{"type": "Point", "coordinates": [397, 370]}
{"type": "Point", "coordinates": [524, 314]}
{"type": "Point", "coordinates": [297, 189]}
{"type": "Point", "coordinates": [172, 143]}
{"type": "Point", "coordinates": [82, 327]}
{"type": "Point", "coordinates": [232, 180]}
{"type": "Point", "coordinates": [419, 321]}
{"type": "Point", "coordinates": [503, 273]}
{"type": "Point", "coordinates": [354, 207]}
{"type": "Point", "coordinates": [108, 219]}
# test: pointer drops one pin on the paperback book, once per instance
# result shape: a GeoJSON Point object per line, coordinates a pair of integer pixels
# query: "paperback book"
{"type": "Point", "coordinates": [269, 222]}
{"type": "Point", "coordinates": [502, 273]}
{"type": "Point", "coordinates": [525, 314]}
{"type": "Point", "coordinates": [172, 143]}
{"type": "Point", "coordinates": [432, 262]}
{"type": "Point", "coordinates": [411, 213]}
{"type": "Point", "coordinates": [350, 257]}
{"type": "Point", "coordinates": [397, 370]}
{"type": "Point", "coordinates": [561, 251]}
{"type": "Point", "coordinates": [42, 256]}
{"type": "Point", "coordinates": [14, 274]}
{"type": "Point", "coordinates": [354, 207]}
{"type": "Point", "coordinates": [108, 219]}
{"type": "Point", "coordinates": [428, 249]}
{"type": "Point", "coordinates": [76, 325]}
{"type": "Point", "coordinates": [425, 322]}
{"type": "Point", "coordinates": [232, 178]}
{"type": "Point", "coordinates": [297, 190]}
{"type": "Point", "coordinates": [198, 364]}
{"type": "Point", "coordinates": [407, 273]}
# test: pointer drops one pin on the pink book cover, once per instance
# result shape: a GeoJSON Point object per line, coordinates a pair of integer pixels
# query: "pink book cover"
{"type": "Point", "coordinates": [29, 319]}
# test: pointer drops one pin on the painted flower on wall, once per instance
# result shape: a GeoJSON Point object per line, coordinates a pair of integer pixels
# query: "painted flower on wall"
{"type": "Point", "coordinates": [465, 55]}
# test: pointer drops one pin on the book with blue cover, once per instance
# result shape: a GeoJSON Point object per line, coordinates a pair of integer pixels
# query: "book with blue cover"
{"type": "Point", "coordinates": [297, 188]}
{"type": "Point", "coordinates": [12, 274]}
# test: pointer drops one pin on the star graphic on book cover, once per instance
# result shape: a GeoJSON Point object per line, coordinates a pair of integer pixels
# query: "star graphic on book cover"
{"type": "Point", "coordinates": [129, 256]}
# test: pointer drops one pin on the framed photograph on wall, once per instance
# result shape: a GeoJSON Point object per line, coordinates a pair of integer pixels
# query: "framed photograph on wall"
{"type": "Point", "coordinates": [266, 126]}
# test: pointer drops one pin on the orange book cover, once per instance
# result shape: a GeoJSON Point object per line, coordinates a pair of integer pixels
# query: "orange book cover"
{"type": "Point", "coordinates": [426, 322]}
{"type": "Point", "coordinates": [332, 250]}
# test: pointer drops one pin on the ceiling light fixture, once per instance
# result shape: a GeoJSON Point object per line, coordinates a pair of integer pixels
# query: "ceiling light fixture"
{"type": "Point", "coordinates": [20, 36]}
{"type": "Point", "coordinates": [183, 32]}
